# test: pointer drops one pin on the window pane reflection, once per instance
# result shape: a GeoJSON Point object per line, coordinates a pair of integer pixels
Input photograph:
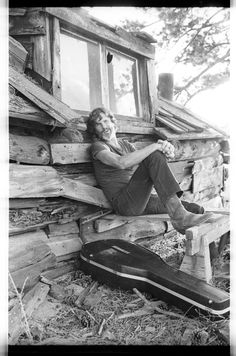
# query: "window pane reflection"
{"type": "Point", "coordinates": [122, 78]}
{"type": "Point", "coordinates": [80, 73]}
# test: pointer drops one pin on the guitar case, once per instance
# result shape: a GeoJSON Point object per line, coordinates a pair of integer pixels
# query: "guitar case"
{"type": "Point", "coordinates": [126, 265]}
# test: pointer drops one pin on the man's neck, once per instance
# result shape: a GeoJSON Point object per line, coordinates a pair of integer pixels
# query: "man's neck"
{"type": "Point", "coordinates": [113, 142]}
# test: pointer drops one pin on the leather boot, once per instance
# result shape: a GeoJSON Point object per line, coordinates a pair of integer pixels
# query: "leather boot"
{"type": "Point", "coordinates": [182, 219]}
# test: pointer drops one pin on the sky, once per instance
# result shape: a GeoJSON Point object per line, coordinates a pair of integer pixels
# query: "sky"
{"type": "Point", "coordinates": [212, 105]}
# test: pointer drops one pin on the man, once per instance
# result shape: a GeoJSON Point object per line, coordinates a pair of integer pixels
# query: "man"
{"type": "Point", "coordinates": [127, 176]}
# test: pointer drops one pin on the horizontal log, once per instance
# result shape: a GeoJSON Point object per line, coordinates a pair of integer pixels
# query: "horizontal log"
{"type": "Point", "coordinates": [31, 302]}
{"type": "Point", "coordinates": [28, 149]}
{"type": "Point", "coordinates": [207, 163]}
{"type": "Point", "coordinates": [184, 150]}
{"type": "Point", "coordinates": [130, 231]}
{"type": "Point", "coordinates": [82, 192]}
{"type": "Point", "coordinates": [194, 149]}
{"type": "Point", "coordinates": [34, 181]}
{"type": "Point", "coordinates": [212, 231]}
{"type": "Point", "coordinates": [112, 221]}
{"type": "Point", "coordinates": [208, 178]}
{"type": "Point", "coordinates": [66, 246]}
{"type": "Point", "coordinates": [121, 38]}
{"type": "Point", "coordinates": [68, 257]}
{"type": "Point", "coordinates": [70, 153]}
{"type": "Point", "coordinates": [27, 249]}
{"type": "Point", "coordinates": [52, 106]}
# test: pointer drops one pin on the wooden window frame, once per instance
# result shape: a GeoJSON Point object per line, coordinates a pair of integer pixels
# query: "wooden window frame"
{"type": "Point", "coordinates": [145, 72]}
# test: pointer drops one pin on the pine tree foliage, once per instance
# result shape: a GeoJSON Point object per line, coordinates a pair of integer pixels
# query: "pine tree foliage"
{"type": "Point", "coordinates": [195, 41]}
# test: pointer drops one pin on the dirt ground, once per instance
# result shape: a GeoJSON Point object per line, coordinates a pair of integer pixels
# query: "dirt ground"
{"type": "Point", "coordinates": [116, 317]}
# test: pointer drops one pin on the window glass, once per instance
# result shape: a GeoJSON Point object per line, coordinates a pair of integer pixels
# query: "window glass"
{"type": "Point", "coordinates": [80, 72]}
{"type": "Point", "coordinates": [123, 84]}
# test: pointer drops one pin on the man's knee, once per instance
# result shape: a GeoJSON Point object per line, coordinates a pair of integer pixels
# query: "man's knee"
{"type": "Point", "coordinates": [156, 156]}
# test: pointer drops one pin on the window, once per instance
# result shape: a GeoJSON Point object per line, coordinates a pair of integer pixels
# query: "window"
{"type": "Point", "coordinates": [93, 74]}
{"type": "Point", "coordinates": [122, 84]}
{"type": "Point", "coordinates": [80, 72]}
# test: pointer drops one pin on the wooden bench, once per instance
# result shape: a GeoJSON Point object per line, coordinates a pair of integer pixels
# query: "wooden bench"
{"type": "Point", "coordinates": [198, 238]}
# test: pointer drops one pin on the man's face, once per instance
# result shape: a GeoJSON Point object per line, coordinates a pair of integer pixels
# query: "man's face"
{"type": "Point", "coordinates": [105, 128]}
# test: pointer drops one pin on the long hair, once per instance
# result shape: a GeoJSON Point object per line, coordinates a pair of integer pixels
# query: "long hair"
{"type": "Point", "coordinates": [96, 114]}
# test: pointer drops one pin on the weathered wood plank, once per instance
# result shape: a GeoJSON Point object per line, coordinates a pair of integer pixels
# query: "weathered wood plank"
{"type": "Point", "coordinates": [27, 249]}
{"type": "Point", "coordinates": [66, 246]}
{"type": "Point", "coordinates": [56, 59]}
{"type": "Point", "coordinates": [41, 61]}
{"type": "Point", "coordinates": [33, 272]}
{"type": "Point", "coordinates": [207, 163]}
{"type": "Point", "coordinates": [52, 106]}
{"type": "Point", "coordinates": [34, 182]}
{"type": "Point", "coordinates": [31, 302]}
{"type": "Point", "coordinates": [82, 192]}
{"type": "Point", "coordinates": [211, 231]}
{"type": "Point", "coordinates": [208, 178]}
{"type": "Point", "coordinates": [112, 221]}
{"type": "Point", "coordinates": [204, 195]}
{"type": "Point", "coordinates": [17, 55]}
{"type": "Point", "coordinates": [195, 149]}
{"type": "Point", "coordinates": [130, 231]}
{"type": "Point", "coordinates": [32, 23]}
{"type": "Point", "coordinates": [135, 127]}
{"type": "Point", "coordinates": [59, 270]}
{"type": "Point", "coordinates": [21, 230]}
{"type": "Point", "coordinates": [152, 86]}
{"type": "Point", "coordinates": [70, 153]}
{"type": "Point", "coordinates": [25, 203]}
{"type": "Point", "coordinates": [28, 149]}
{"type": "Point", "coordinates": [143, 84]}
{"type": "Point", "coordinates": [167, 134]}
{"type": "Point", "coordinates": [63, 229]}
{"type": "Point", "coordinates": [122, 38]}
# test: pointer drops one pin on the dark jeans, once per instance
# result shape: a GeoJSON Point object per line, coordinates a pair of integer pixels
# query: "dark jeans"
{"type": "Point", "coordinates": [136, 198]}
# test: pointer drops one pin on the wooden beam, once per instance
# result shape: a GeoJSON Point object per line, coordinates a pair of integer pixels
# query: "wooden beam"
{"type": "Point", "coordinates": [131, 231]}
{"type": "Point", "coordinates": [31, 23]}
{"type": "Point", "coordinates": [52, 106]}
{"type": "Point", "coordinates": [17, 55]}
{"type": "Point", "coordinates": [70, 153]}
{"type": "Point", "coordinates": [27, 249]}
{"type": "Point", "coordinates": [210, 230]}
{"type": "Point", "coordinates": [56, 59]}
{"type": "Point", "coordinates": [63, 229]}
{"type": "Point", "coordinates": [135, 127]}
{"type": "Point", "coordinates": [152, 87]}
{"type": "Point", "coordinates": [41, 61]}
{"type": "Point", "coordinates": [166, 134]}
{"type": "Point", "coordinates": [82, 192]}
{"type": "Point", "coordinates": [87, 25]}
{"type": "Point", "coordinates": [207, 163]}
{"type": "Point", "coordinates": [28, 149]}
{"type": "Point", "coordinates": [31, 302]}
{"type": "Point", "coordinates": [34, 182]}
{"type": "Point", "coordinates": [112, 221]}
{"type": "Point", "coordinates": [208, 178]}
{"type": "Point", "coordinates": [65, 246]}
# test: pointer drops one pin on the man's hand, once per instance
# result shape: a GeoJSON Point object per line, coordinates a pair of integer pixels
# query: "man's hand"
{"type": "Point", "coordinates": [167, 148]}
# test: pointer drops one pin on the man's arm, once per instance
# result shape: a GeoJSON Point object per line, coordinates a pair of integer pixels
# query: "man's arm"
{"type": "Point", "coordinates": [133, 158]}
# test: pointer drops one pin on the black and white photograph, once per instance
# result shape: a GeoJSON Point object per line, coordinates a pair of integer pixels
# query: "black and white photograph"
{"type": "Point", "coordinates": [119, 169]}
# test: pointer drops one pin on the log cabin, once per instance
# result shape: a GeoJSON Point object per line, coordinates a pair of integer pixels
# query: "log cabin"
{"type": "Point", "coordinates": [62, 64]}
